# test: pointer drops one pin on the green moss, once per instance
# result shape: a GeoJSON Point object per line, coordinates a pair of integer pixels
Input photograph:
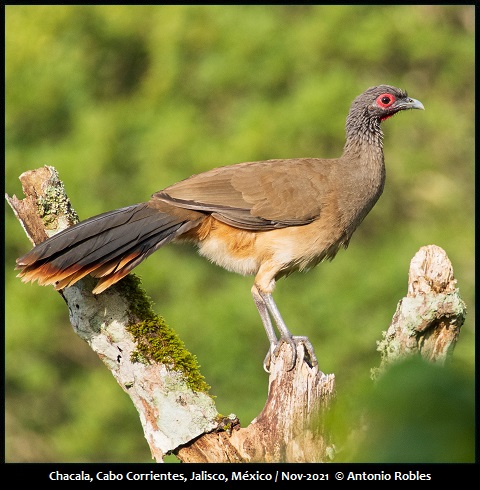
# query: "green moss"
{"type": "Point", "coordinates": [156, 341]}
{"type": "Point", "coordinates": [139, 303]}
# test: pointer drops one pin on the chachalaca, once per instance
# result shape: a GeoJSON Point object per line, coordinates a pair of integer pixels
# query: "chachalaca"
{"type": "Point", "coordinates": [267, 218]}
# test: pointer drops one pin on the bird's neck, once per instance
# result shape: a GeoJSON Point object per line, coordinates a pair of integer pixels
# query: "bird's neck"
{"type": "Point", "coordinates": [361, 171]}
{"type": "Point", "coordinates": [364, 135]}
{"type": "Point", "coordinates": [365, 150]}
{"type": "Point", "coordinates": [363, 155]}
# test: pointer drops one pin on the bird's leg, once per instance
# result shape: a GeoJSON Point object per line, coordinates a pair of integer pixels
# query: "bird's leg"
{"type": "Point", "coordinates": [285, 334]}
{"type": "Point", "coordinates": [266, 306]}
{"type": "Point", "coordinates": [267, 323]}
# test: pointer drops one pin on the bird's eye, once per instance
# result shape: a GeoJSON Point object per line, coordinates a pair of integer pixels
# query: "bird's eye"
{"type": "Point", "coordinates": [385, 100]}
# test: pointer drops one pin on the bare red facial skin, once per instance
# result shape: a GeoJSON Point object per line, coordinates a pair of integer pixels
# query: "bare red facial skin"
{"type": "Point", "coordinates": [385, 101]}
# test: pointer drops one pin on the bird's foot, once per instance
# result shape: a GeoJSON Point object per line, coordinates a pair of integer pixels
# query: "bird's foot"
{"type": "Point", "coordinates": [293, 341]}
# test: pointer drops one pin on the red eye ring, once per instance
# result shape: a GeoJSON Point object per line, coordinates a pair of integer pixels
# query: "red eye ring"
{"type": "Point", "coordinates": [385, 100]}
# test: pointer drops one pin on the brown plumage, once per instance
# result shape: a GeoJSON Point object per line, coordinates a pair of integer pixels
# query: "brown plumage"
{"type": "Point", "coordinates": [267, 218]}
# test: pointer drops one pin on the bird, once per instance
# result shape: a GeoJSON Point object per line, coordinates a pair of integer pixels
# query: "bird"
{"type": "Point", "coordinates": [265, 219]}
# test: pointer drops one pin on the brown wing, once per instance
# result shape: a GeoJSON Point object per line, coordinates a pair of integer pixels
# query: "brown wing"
{"type": "Point", "coordinates": [256, 195]}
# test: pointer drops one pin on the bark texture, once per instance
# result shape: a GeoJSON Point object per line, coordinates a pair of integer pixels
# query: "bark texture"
{"type": "Point", "coordinates": [428, 320]}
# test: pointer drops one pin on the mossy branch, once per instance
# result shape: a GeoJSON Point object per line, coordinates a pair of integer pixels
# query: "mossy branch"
{"type": "Point", "coordinates": [144, 354]}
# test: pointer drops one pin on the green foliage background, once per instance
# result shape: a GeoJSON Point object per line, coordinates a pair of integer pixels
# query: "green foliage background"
{"type": "Point", "coordinates": [125, 100]}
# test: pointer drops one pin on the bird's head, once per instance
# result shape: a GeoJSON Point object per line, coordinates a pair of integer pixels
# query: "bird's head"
{"type": "Point", "coordinates": [374, 106]}
{"type": "Point", "coordinates": [387, 101]}
{"type": "Point", "coordinates": [383, 101]}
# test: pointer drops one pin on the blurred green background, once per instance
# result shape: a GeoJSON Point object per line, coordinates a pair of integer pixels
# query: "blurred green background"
{"type": "Point", "coordinates": [125, 100]}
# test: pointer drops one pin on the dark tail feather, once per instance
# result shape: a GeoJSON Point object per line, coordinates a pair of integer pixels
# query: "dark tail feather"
{"type": "Point", "coordinates": [107, 246]}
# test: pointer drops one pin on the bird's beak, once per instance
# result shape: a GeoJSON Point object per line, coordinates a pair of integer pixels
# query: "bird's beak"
{"type": "Point", "coordinates": [410, 103]}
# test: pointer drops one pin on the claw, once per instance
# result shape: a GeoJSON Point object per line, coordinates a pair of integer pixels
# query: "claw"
{"type": "Point", "coordinates": [293, 342]}
{"type": "Point", "coordinates": [310, 358]}
{"type": "Point", "coordinates": [266, 361]}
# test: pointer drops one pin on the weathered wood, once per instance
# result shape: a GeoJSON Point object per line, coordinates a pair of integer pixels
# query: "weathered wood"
{"type": "Point", "coordinates": [289, 428]}
{"type": "Point", "coordinates": [428, 320]}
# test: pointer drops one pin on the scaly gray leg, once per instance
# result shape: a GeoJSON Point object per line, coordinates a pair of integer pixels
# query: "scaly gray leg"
{"type": "Point", "coordinates": [267, 324]}
{"type": "Point", "coordinates": [266, 306]}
